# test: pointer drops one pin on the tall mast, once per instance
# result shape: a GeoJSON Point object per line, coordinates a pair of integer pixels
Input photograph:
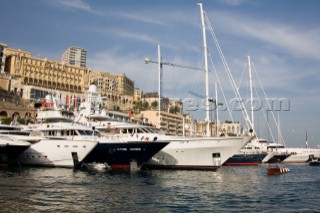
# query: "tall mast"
{"type": "Point", "coordinates": [251, 95]}
{"type": "Point", "coordinates": [205, 50]}
{"type": "Point", "coordinates": [279, 140]}
{"type": "Point", "coordinates": [307, 146]}
{"type": "Point", "coordinates": [217, 108]}
{"type": "Point", "coordinates": [160, 85]}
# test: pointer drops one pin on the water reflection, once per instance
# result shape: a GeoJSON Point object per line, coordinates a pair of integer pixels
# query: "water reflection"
{"type": "Point", "coordinates": [227, 189]}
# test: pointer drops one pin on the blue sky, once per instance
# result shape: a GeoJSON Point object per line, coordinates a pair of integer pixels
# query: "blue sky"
{"type": "Point", "coordinates": [282, 38]}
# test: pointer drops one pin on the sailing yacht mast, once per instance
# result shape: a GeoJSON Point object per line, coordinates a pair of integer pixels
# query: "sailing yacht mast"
{"type": "Point", "coordinates": [205, 49]}
{"type": "Point", "coordinates": [279, 138]}
{"type": "Point", "coordinates": [217, 108]}
{"type": "Point", "coordinates": [160, 85]}
{"type": "Point", "coordinates": [251, 95]}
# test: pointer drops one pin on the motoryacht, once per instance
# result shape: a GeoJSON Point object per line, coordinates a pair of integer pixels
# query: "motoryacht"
{"type": "Point", "coordinates": [180, 153]}
{"type": "Point", "coordinates": [57, 124]}
{"type": "Point", "coordinates": [249, 155]}
{"type": "Point", "coordinates": [60, 142]}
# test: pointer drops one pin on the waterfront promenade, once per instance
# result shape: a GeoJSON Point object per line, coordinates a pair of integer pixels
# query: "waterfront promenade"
{"type": "Point", "coordinates": [11, 105]}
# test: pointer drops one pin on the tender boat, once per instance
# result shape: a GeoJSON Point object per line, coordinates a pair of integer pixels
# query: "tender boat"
{"type": "Point", "coordinates": [314, 161]}
{"type": "Point", "coordinates": [277, 169]}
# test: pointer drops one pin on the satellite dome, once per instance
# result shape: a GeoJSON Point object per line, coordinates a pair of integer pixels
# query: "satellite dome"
{"type": "Point", "coordinates": [93, 88]}
{"type": "Point", "coordinates": [48, 98]}
{"type": "Point", "coordinates": [103, 113]}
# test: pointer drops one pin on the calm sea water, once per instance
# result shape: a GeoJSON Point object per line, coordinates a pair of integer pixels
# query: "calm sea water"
{"type": "Point", "coordinates": [229, 189]}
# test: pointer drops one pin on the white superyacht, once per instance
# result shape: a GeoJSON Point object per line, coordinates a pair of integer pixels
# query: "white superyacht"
{"type": "Point", "coordinates": [61, 142]}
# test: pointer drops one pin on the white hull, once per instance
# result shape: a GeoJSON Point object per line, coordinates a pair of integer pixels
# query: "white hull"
{"type": "Point", "coordinates": [197, 153]}
{"type": "Point", "coordinates": [8, 141]}
{"type": "Point", "coordinates": [301, 155]}
{"type": "Point", "coordinates": [56, 153]}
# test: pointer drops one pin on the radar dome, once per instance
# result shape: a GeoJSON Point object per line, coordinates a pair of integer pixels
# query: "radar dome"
{"type": "Point", "coordinates": [103, 113]}
{"type": "Point", "coordinates": [48, 98]}
{"type": "Point", "coordinates": [93, 88]}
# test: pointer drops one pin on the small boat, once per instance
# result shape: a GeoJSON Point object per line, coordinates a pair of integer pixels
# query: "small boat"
{"type": "Point", "coordinates": [276, 170]}
{"type": "Point", "coordinates": [314, 161]}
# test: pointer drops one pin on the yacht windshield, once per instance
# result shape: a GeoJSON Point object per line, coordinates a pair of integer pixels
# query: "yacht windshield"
{"type": "Point", "coordinates": [81, 132]}
{"type": "Point", "coordinates": [146, 130]}
{"type": "Point", "coordinates": [97, 133]}
{"type": "Point", "coordinates": [88, 132]}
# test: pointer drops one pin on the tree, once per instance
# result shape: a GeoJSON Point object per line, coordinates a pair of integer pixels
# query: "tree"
{"type": "Point", "coordinates": [140, 106]}
{"type": "Point", "coordinates": [145, 105]}
{"type": "Point", "coordinates": [174, 109]}
{"type": "Point", "coordinates": [154, 104]}
{"type": "Point", "coordinates": [137, 106]}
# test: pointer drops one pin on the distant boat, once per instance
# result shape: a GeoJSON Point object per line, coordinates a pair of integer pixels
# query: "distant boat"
{"type": "Point", "coordinates": [276, 153]}
{"type": "Point", "coordinates": [314, 161]}
{"type": "Point", "coordinates": [251, 154]}
{"type": "Point", "coordinates": [301, 155]}
{"type": "Point", "coordinates": [277, 169]}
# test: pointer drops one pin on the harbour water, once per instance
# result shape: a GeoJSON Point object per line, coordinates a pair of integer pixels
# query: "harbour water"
{"type": "Point", "coordinates": [229, 189]}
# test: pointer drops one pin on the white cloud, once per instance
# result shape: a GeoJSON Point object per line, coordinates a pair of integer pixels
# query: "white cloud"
{"type": "Point", "coordinates": [296, 41]}
{"type": "Point", "coordinates": [134, 36]}
{"type": "Point", "coordinates": [75, 5]}
{"type": "Point", "coordinates": [232, 2]}
{"type": "Point", "coordinates": [134, 17]}
{"type": "Point", "coordinates": [113, 32]}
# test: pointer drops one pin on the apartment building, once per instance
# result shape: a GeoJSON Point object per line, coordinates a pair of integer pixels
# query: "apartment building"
{"type": "Point", "coordinates": [2, 57]}
{"type": "Point", "coordinates": [170, 123]}
{"type": "Point", "coordinates": [117, 89]}
{"type": "Point", "coordinates": [75, 56]}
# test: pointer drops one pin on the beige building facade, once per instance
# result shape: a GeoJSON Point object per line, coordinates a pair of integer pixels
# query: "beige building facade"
{"type": "Point", "coordinates": [137, 94]}
{"type": "Point", "coordinates": [117, 89]}
{"type": "Point", "coordinates": [225, 128]}
{"type": "Point", "coordinates": [32, 77]}
{"type": "Point", "coordinates": [151, 97]}
{"type": "Point", "coordinates": [170, 123]}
